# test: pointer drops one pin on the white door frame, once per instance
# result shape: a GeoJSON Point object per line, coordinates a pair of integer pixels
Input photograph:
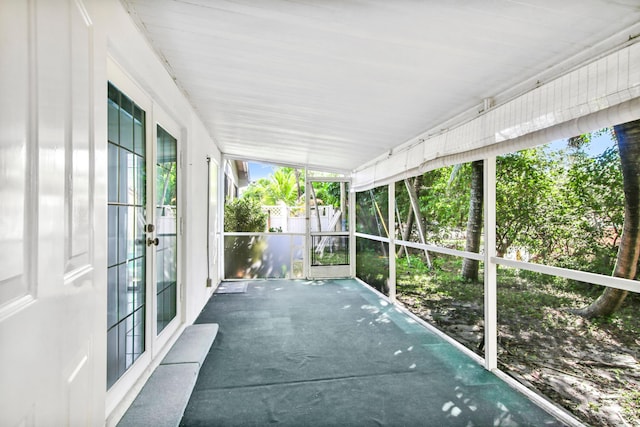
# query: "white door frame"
{"type": "Point", "coordinates": [162, 119]}
{"type": "Point", "coordinates": [328, 271]}
{"type": "Point", "coordinates": [154, 344]}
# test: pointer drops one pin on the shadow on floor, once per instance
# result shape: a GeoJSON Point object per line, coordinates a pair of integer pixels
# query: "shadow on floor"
{"type": "Point", "coordinates": [333, 353]}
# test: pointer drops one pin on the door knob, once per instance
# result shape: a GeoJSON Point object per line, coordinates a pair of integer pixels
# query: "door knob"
{"type": "Point", "coordinates": [151, 241]}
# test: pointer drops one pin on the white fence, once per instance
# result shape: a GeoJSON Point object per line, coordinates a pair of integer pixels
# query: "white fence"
{"type": "Point", "coordinates": [291, 219]}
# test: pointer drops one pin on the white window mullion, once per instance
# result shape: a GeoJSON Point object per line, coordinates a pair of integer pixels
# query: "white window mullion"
{"type": "Point", "coordinates": [392, 244]}
{"type": "Point", "coordinates": [490, 268]}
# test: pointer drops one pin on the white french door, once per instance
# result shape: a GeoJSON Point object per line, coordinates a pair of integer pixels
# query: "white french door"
{"type": "Point", "coordinates": [166, 219]}
{"type": "Point", "coordinates": [328, 238]}
{"type": "Point", "coordinates": [143, 306]}
{"type": "Point", "coordinates": [127, 229]}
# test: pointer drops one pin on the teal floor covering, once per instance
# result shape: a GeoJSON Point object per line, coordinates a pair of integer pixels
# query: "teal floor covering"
{"type": "Point", "coordinates": [334, 353]}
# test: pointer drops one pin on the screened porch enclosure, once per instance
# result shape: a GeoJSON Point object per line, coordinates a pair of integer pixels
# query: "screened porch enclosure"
{"type": "Point", "coordinates": [492, 317]}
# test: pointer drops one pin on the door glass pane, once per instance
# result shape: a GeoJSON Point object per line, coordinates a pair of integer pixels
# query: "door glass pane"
{"type": "Point", "coordinates": [112, 296]}
{"type": "Point", "coordinates": [140, 190]}
{"type": "Point", "coordinates": [112, 227]}
{"type": "Point", "coordinates": [166, 214]}
{"type": "Point", "coordinates": [113, 173]}
{"type": "Point", "coordinates": [126, 239]}
{"type": "Point", "coordinates": [138, 281]}
{"type": "Point", "coordinates": [140, 236]}
{"type": "Point", "coordinates": [329, 250]}
{"type": "Point", "coordinates": [113, 115]}
{"type": "Point", "coordinates": [122, 233]}
{"type": "Point", "coordinates": [112, 357]}
{"type": "Point", "coordinates": [329, 206]}
{"type": "Point", "coordinates": [126, 123]}
{"type": "Point", "coordinates": [124, 305]}
{"type": "Point", "coordinates": [138, 130]}
{"type": "Point", "coordinates": [123, 176]}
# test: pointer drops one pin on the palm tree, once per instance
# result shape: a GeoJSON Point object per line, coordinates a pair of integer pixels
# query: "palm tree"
{"type": "Point", "coordinates": [281, 186]}
{"type": "Point", "coordinates": [628, 137]}
{"type": "Point", "coordinates": [474, 221]}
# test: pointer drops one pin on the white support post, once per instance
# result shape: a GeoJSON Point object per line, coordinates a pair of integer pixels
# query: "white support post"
{"type": "Point", "coordinates": [220, 230]}
{"type": "Point", "coordinates": [351, 200]}
{"type": "Point", "coordinates": [306, 264]}
{"type": "Point", "coordinates": [392, 241]}
{"type": "Point", "coordinates": [490, 268]}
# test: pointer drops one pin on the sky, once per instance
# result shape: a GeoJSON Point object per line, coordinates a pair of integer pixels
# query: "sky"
{"type": "Point", "coordinates": [595, 148]}
{"type": "Point", "coordinates": [259, 170]}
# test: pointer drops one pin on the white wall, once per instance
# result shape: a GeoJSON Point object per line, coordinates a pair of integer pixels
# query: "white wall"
{"type": "Point", "coordinates": [54, 59]}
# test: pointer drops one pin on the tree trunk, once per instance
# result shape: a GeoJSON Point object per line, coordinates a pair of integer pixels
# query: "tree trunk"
{"type": "Point", "coordinates": [474, 222]}
{"type": "Point", "coordinates": [406, 232]}
{"type": "Point", "coordinates": [413, 197]}
{"type": "Point", "coordinates": [628, 136]}
{"type": "Point", "coordinates": [312, 193]}
{"type": "Point", "coordinates": [297, 174]}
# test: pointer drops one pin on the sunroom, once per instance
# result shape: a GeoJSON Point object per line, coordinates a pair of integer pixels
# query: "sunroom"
{"type": "Point", "coordinates": [461, 181]}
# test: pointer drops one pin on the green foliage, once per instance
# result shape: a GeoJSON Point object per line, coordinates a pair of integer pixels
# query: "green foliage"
{"type": "Point", "coordinates": [444, 198]}
{"type": "Point", "coordinates": [369, 205]}
{"type": "Point", "coordinates": [328, 192]}
{"type": "Point", "coordinates": [281, 186]}
{"type": "Point", "coordinates": [244, 215]}
{"type": "Point", "coordinates": [371, 265]}
{"type": "Point", "coordinates": [166, 189]}
{"type": "Point", "coordinates": [594, 186]}
{"type": "Point", "coordinates": [565, 206]}
{"type": "Point", "coordinates": [524, 184]}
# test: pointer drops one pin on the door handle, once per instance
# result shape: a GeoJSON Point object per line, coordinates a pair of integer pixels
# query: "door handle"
{"type": "Point", "coordinates": [151, 241]}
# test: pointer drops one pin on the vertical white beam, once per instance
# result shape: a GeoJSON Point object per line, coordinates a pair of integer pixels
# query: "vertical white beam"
{"type": "Point", "coordinates": [392, 240]}
{"type": "Point", "coordinates": [490, 268]}
{"type": "Point", "coordinates": [352, 229]}
{"type": "Point", "coordinates": [306, 264]}
{"type": "Point", "coordinates": [220, 230]}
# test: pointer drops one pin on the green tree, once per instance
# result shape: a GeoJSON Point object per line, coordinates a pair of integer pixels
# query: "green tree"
{"type": "Point", "coordinates": [257, 190]}
{"type": "Point", "coordinates": [244, 215]}
{"type": "Point", "coordinates": [328, 192]}
{"type": "Point", "coordinates": [524, 180]}
{"type": "Point", "coordinates": [594, 187]}
{"type": "Point", "coordinates": [283, 185]}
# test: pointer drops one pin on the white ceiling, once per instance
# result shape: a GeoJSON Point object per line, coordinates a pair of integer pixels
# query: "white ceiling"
{"type": "Point", "coordinates": [333, 84]}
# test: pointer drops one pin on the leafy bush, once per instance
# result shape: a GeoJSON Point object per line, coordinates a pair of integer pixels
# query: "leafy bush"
{"type": "Point", "coordinates": [244, 214]}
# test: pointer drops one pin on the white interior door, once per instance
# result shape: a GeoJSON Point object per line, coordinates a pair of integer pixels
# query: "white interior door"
{"type": "Point", "coordinates": [328, 237]}
{"type": "Point", "coordinates": [51, 241]}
